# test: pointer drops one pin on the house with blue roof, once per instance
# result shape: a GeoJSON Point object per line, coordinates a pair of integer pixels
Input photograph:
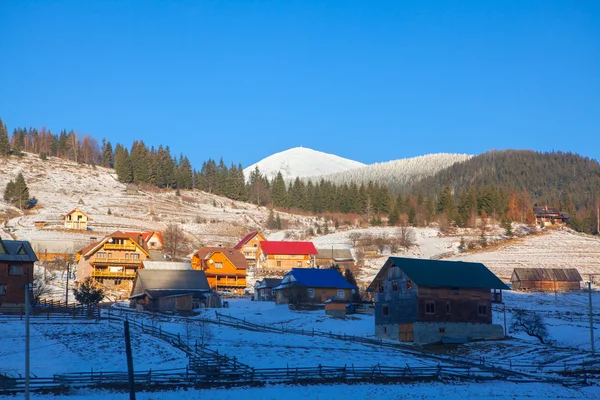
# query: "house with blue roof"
{"type": "Point", "coordinates": [428, 301]}
{"type": "Point", "coordinates": [312, 286]}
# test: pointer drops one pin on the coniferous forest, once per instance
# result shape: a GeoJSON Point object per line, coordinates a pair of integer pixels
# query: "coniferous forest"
{"type": "Point", "coordinates": [504, 185]}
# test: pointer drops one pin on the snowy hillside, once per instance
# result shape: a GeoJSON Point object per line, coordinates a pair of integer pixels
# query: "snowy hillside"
{"type": "Point", "coordinates": [302, 162]}
{"type": "Point", "coordinates": [398, 173]}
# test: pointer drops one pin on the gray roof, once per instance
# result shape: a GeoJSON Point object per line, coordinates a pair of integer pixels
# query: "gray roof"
{"type": "Point", "coordinates": [443, 273]}
{"type": "Point", "coordinates": [16, 251]}
{"type": "Point", "coordinates": [546, 274]}
{"type": "Point", "coordinates": [268, 283]}
{"type": "Point", "coordinates": [169, 265]}
{"type": "Point", "coordinates": [336, 254]}
{"type": "Point", "coordinates": [169, 280]}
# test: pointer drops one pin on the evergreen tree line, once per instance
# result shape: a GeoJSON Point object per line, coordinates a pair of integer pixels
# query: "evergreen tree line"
{"type": "Point", "coordinates": [502, 184]}
{"type": "Point", "coordinates": [17, 192]}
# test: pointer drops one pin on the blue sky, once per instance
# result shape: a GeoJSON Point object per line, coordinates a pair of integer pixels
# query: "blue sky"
{"type": "Point", "coordinates": [367, 80]}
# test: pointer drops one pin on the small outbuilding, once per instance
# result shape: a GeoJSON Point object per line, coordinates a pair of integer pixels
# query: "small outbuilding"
{"type": "Point", "coordinates": [313, 286]}
{"type": "Point", "coordinates": [263, 289]}
{"type": "Point", "coordinates": [546, 279]}
{"type": "Point", "coordinates": [174, 290]}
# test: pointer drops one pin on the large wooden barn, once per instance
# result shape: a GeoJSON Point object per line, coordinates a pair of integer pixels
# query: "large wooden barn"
{"type": "Point", "coordinates": [546, 279]}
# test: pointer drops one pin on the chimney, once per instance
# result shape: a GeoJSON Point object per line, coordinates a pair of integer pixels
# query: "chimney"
{"type": "Point", "coordinates": [141, 240]}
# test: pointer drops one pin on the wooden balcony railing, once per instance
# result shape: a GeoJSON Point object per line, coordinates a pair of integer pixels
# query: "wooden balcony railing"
{"type": "Point", "coordinates": [110, 260]}
{"type": "Point", "coordinates": [129, 273]}
{"type": "Point", "coordinates": [119, 246]}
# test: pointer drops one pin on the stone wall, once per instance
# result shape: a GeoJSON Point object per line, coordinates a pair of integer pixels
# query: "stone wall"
{"type": "Point", "coordinates": [433, 332]}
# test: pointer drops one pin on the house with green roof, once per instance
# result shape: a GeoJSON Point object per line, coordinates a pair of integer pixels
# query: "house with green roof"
{"type": "Point", "coordinates": [429, 301]}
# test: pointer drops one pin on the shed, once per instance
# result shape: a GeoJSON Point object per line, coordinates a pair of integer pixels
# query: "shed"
{"type": "Point", "coordinates": [169, 290]}
{"type": "Point", "coordinates": [263, 290]}
{"type": "Point", "coordinates": [546, 279]}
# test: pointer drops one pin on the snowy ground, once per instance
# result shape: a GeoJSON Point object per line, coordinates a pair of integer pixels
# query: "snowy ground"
{"type": "Point", "coordinates": [80, 346]}
{"type": "Point", "coordinates": [457, 390]}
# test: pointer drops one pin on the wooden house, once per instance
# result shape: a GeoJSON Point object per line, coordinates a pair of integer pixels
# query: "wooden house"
{"type": "Point", "coordinates": [263, 289]}
{"type": "Point", "coordinates": [312, 286]}
{"type": "Point", "coordinates": [76, 219]}
{"type": "Point", "coordinates": [54, 250]}
{"type": "Point", "coordinates": [149, 240]}
{"type": "Point", "coordinates": [113, 261]}
{"type": "Point", "coordinates": [16, 271]}
{"type": "Point", "coordinates": [249, 246]}
{"type": "Point", "coordinates": [548, 216]}
{"type": "Point", "coordinates": [428, 301]}
{"type": "Point", "coordinates": [546, 279]}
{"type": "Point", "coordinates": [281, 257]}
{"type": "Point", "coordinates": [225, 267]}
{"type": "Point", "coordinates": [325, 258]}
{"type": "Point", "coordinates": [177, 291]}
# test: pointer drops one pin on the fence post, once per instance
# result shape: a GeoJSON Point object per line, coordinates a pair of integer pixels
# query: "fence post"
{"type": "Point", "coordinates": [320, 370]}
{"type": "Point", "coordinates": [510, 364]}
{"type": "Point", "coordinates": [234, 363]}
{"type": "Point", "coordinates": [150, 376]}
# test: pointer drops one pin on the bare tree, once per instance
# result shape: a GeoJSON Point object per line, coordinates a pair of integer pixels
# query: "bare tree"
{"type": "Point", "coordinates": [530, 323]}
{"type": "Point", "coordinates": [406, 237]}
{"type": "Point", "coordinates": [40, 287]}
{"type": "Point", "coordinates": [175, 241]}
{"type": "Point", "coordinates": [354, 238]}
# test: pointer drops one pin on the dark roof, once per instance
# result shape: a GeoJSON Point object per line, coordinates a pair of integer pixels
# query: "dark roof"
{"type": "Point", "coordinates": [316, 278]}
{"type": "Point", "coordinates": [156, 294]}
{"type": "Point", "coordinates": [335, 254]}
{"type": "Point", "coordinates": [268, 283]}
{"type": "Point", "coordinates": [16, 251]}
{"type": "Point", "coordinates": [245, 240]}
{"type": "Point", "coordinates": [170, 280]}
{"type": "Point", "coordinates": [549, 212]}
{"type": "Point", "coordinates": [288, 248]}
{"type": "Point", "coordinates": [546, 274]}
{"type": "Point", "coordinates": [235, 256]}
{"type": "Point", "coordinates": [443, 273]}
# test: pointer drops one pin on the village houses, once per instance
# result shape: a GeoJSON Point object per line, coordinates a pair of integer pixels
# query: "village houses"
{"type": "Point", "coordinates": [16, 271]}
{"type": "Point", "coordinates": [281, 257]}
{"type": "Point", "coordinates": [249, 246]}
{"type": "Point", "coordinates": [225, 267]}
{"type": "Point", "coordinates": [113, 261]}
{"type": "Point", "coordinates": [428, 301]}
{"type": "Point", "coordinates": [76, 219]}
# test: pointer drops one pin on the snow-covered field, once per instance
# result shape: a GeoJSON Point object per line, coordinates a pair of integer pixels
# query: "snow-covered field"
{"type": "Point", "coordinates": [452, 390]}
{"type": "Point", "coordinates": [75, 346]}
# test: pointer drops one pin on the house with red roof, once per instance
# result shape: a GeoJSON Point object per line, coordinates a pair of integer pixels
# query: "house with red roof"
{"type": "Point", "coordinates": [283, 256]}
{"type": "Point", "coordinates": [149, 240]}
{"type": "Point", "coordinates": [249, 246]}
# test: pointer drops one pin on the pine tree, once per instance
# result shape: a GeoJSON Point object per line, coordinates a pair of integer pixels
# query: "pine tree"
{"type": "Point", "coordinates": [9, 192]}
{"type": "Point", "coordinates": [21, 191]}
{"type": "Point", "coordinates": [4, 141]}
{"type": "Point", "coordinates": [107, 158]}
{"type": "Point", "coordinates": [279, 192]}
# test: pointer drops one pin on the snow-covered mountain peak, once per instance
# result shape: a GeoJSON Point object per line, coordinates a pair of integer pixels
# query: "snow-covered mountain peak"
{"type": "Point", "coordinates": [302, 162]}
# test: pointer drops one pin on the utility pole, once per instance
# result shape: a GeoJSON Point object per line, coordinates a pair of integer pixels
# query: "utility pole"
{"type": "Point", "coordinates": [591, 317]}
{"type": "Point", "coordinates": [129, 361]}
{"type": "Point", "coordinates": [27, 367]}
{"type": "Point", "coordinates": [67, 291]}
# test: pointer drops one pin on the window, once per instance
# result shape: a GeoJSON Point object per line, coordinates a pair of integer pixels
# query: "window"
{"type": "Point", "coordinates": [311, 293]}
{"type": "Point", "coordinates": [218, 265]}
{"type": "Point", "coordinates": [340, 294]}
{"type": "Point", "coordinates": [380, 288]}
{"type": "Point", "coordinates": [135, 255]}
{"type": "Point", "coordinates": [109, 255]}
{"type": "Point", "coordinates": [299, 264]}
{"type": "Point", "coordinates": [409, 284]}
{"type": "Point", "coordinates": [101, 254]}
{"type": "Point", "coordinates": [394, 286]}
{"type": "Point", "coordinates": [385, 329]}
{"type": "Point", "coordinates": [2, 290]}
{"type": "Point", "coordinates": [15, 270]}
{"type": "Point", "coordinates": [385, 311]}
{"type": "Point", "coordinates": [447, 307]}
{"type": "Point", "coordinates": [429, 308]}
{"type": "Point", "coordinates": [117, 282]}
{"type": "Point", "coordinates": [442, 330]}
{"type": "Point", "coordinates": [482, 309]}
{"type": "Point", "coordinates": [255, 244]}
{"type": "Point", "coordinates": [279, 263]}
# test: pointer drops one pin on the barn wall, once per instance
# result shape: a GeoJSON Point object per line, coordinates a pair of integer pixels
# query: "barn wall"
{"type": "Point", "coordinates": [546, 286]}
{"type": "Point", "coordinates": [433, 332]}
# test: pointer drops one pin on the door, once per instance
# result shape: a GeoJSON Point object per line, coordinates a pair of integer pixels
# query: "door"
{"type": "Point", "coordinates": [405, 333]}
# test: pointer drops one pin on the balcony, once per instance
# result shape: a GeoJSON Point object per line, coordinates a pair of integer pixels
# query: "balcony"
{"type": "Point", "coordinates": [119, 246]}
{"type": "Point", "coordinates": [127, 274]}
{"type": "Point", "coordinates": [110, 260]}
